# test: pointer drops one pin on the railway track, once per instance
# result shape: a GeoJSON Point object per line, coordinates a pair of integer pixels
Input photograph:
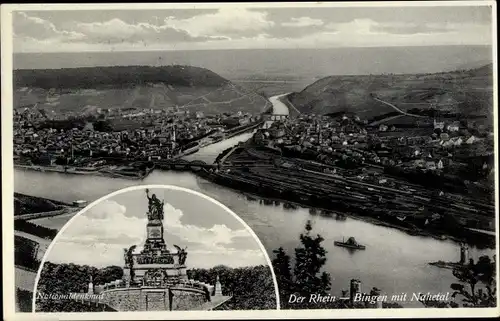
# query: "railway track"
{"type": "Point", "coordinates": [314, 181]}
{"type": "Point", "coordinates": [361, 192]}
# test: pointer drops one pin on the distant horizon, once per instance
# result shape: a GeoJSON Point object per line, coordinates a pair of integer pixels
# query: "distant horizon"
{"type": "Point", "coordinates": [303, 65]}
{"type": "Point", "coordinates": [480, 65]}
{"type": "Point", "coordinates": [278, 64]}
{"type": "Point", "coordinates": [248, 49]}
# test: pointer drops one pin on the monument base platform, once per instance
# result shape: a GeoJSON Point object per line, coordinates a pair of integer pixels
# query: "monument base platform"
{"type": "Point", "coordinates": [178, 298]}
{"type": "Point", "coordinates": [215, 302]}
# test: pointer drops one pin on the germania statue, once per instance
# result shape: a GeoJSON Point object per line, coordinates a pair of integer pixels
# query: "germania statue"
{"type": "Point", "coordinates": [155, 207]}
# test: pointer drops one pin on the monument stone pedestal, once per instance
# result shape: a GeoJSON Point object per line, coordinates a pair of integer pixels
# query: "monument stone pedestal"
{"type": "Point", "coordinates": [155, 278]}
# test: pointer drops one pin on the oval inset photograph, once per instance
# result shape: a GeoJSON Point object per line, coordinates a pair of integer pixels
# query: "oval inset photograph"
{"type": "Point", "coordinates": [155, 248]}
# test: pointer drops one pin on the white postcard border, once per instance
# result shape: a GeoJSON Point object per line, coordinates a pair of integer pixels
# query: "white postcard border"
{"type": "Point", "coordinates": [8, 187]}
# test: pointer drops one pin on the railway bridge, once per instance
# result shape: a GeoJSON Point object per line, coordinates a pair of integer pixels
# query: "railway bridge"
{"type": "Point", "coordinates": [274, 117]}
{"type": "Point", "coordinates": [182, 164]}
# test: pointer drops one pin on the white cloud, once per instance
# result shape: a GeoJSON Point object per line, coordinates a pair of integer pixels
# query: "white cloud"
{"type": "Point", "coordinates": [229, 21]}
{"type": "Point", "coordinates": [372, 27]}
{"type": "Point", "coordinates": [303, 22]}
{"type": "Point", "coordinates": [356, 26]}
{"type": "Point", "coordinates": [105, 210]}
{"type": "Point", "coordinates": [25, 25]}
{"type": "Point", "coordinates": [98, 237]}
{"type": "Point", "coordinates": [237, 28]}
{"type": "Point", "coordinates": [112, 28]}
{"type": "Point", "coordinates": [36, 34]}
{"type": "Point", "coordinates": [116, 31]}
{"type": "Point", "coordinates": [214, 236]}
{"type": "Point", "coordinates": [231, 258]}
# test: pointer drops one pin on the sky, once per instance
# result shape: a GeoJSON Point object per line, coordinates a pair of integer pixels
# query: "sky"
{"type": "Point", "coordinates": [212, 235]}
{"type": "Point", "coordinates": [230, 27]}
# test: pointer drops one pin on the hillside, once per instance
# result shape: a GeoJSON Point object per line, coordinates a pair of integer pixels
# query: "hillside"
{"type": "Point", "coordinates": [84, 90]}
{"type": "Point", "coordinates": [27, 204]}
{"type": "Point", "coordinates": [468, 92]}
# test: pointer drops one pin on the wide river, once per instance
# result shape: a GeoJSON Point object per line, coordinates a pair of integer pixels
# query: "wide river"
{"type": "Point", "coordinates": [393, 261]}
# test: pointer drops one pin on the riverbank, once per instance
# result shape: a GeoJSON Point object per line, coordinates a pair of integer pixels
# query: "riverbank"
{"type": "Point", "coordinates": [291, 203]}
{"type": "Point", "coordinates": [136, 174]}
{"type": "Point", "coordinates": [242, 129]}
{"type": "Point", "coordinates": [330, 213]}
{"type": "Point", "coordinates": [79, 171]}
{"type": "Point", "coordinates": [299, 199]}
{"type": "Point", "coordinates": [292, 110]}
{"type": "Point", "coordinates": [308, 200]}
{"type": "Point", "coordinates": [32, 216]}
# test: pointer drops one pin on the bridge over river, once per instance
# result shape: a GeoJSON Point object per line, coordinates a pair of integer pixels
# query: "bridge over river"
{"type": "Point", "coordinates": [209, 153]}
{"type": "Point", "coordinates": [183, 164]}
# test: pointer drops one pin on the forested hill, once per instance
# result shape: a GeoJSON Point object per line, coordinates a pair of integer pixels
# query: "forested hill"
{"type": "Point", "coordinates": [116, 76]}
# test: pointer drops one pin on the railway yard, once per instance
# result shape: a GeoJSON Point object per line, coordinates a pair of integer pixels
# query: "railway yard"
{"type": "Point", "coordinates": [366, 192]}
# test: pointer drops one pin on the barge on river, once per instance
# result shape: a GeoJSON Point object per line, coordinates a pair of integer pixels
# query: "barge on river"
{"type": "Point", "coordinates": [351, 244]}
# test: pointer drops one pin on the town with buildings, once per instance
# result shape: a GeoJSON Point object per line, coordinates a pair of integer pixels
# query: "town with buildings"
{"type": "Point", "coordinates": [392, 169]}
{"type": "Point", "coordinates": [131, 135]}
{"type": "Point", "coordinates": [436, 147]}
{"type": "Point", "coordinates": [436, 179]}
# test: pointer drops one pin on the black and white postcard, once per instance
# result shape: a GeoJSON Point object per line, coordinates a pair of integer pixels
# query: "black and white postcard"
{"type": "Point", "coordinates": [240, 160]}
